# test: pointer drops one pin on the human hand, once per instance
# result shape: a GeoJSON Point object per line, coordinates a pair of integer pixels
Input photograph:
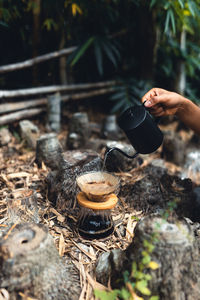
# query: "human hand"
{"type": "Point", "coordinates": [161, 102]}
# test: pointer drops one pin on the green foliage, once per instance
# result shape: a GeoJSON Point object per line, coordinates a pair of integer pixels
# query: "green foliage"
{"type": "Point", "coordinates": [80, 51]}
{"type": "Point", "coordinates": [127, 93]}
{"type": "Point", "coordinates": [106, 295]}
{"type": "Point", "coordinates": [136, 281]}
{"type": "Point", "coordinates": [107, 34]}
{"type": "Point", "coordinates": [178, 14]}
{"type": "Point", "coordinates": [102, 48]}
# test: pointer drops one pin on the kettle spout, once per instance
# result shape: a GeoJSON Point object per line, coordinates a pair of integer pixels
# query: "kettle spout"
{"type": "Point", "coordinates": [122, 152]}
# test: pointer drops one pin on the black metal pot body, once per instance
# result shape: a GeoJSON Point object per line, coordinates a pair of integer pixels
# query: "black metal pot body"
{"type": "Point", "coordinates": [141, 129]}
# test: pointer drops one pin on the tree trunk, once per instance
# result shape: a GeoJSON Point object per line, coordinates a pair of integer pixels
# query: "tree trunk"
{"type": "Point", "coordinates": [180, 83]}
{"type": "Point", "coordinates": [147, 45]}
{"type": "Point", "coordinates": [36, 36]}
{"type": "Point", "coordinates": [63, 62]}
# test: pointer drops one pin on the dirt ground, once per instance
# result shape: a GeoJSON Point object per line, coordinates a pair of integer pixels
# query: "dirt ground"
{"type": "Point", "coordinates": [23, 198]}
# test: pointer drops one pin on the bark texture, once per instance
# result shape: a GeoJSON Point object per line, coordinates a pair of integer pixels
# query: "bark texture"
{"type": "Point", "coordinates": [62, 188]}
{"type": "Point", "coordinates": [48, 150]}
{"type": "Point", "coordinates": [30, 263]}
{"type": "Point", "coordinates": [177, 254]}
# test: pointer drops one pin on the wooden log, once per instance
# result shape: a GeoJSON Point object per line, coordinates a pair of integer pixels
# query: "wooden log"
{"type": "Point", "coordinates": [9, 107]}
{"type": "Point", "coordinates": [31, 62]}
{"type": "Point", "coordinates": [30, 263]}
{"type": "Point", "coordinates": [53, 89]}
{"type": "Point", "coordinates": [79, 96]}
{"type": "Point", "coordinates": [22, 114]}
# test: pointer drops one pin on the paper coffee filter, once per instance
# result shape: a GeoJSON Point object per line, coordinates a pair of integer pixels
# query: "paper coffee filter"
{"type": "Point", "coordinates": [97, 183]}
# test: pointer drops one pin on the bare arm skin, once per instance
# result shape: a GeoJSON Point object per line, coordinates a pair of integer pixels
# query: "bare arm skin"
{"type": "Point", "coordinates": [162, 103]}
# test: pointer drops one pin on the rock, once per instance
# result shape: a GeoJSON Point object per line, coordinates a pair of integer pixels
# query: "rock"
{"type": "Point", "coordinates": [29, 132]}
{"type": "Point", "coordinates": [109, 263]}
{"type": "Point", "coordinates": [5, 136]}
{"type": "Point", "coordinates": [30, 263]}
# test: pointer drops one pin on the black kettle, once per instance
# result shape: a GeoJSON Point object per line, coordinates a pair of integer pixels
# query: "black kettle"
{"type": "Point", "coordinates": [141, 129]}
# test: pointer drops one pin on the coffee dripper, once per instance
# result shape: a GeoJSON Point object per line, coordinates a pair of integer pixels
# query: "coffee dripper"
{"type": "Point", "coordinates": [96, 199]}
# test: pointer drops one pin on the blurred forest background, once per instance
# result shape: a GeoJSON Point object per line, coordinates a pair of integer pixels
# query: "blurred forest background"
{"type": "Point", "coordinates": [138, 43]}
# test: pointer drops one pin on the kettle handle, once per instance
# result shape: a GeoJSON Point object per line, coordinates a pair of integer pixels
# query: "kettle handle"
{"type": "Point", "coordinates": [156, 119]}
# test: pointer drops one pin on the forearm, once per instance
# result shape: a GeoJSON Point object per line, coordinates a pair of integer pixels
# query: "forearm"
{"type": "Point", "coordinates": [189, 114]}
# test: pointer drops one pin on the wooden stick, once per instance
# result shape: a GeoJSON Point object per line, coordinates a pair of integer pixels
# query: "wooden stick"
{"type": "Point", "coordinates": [9, 107]}
{"type": "Point", "coordinates": [16, 116]}
{"type": "Point", "coordinates": [79, 96]}
{"type": "Point", "coordinates": [53, 89]}
{"type": "Point", "coordinates": [25, 113]}
{"type": "Point", "coordinates": [30, 62]}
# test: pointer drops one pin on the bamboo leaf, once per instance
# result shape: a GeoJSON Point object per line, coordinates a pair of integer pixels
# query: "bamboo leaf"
{"type": "Point", "coordinates": [99, 58]}
{"type": "Point", "coordinates": [172, 21]}
{"type": "Point", "coordinates": [3, 24]}
{"type": "Point", "coordinates": [153, 2]}
{"type": "Point", "coordinates": [117, 96]}
{"type": "Point", "coordinates": [167, 22]}
{"type": "Point", "coordinates": [109, 53]}
{"type": "Point", "coordinates": [76, 9]}
{"type": "Point", "coordinates": [82, 50]}
{"type": "Point", "coordinates": [120, 104]}
{"type": "Point", "coordinates": [181, 3]}
{"type": "Point", "coordinates": [115, 50]}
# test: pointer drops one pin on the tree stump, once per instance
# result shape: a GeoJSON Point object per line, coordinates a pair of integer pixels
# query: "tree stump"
{"type": "Point", "coordinates": [62, 188]}
{"type": "Point", "coordinates": [173, 148]}
{"type": "Point", "coordinates": [177, 254]}
{"type": "Point", "coordinates": [153, 189]}
{"type": "Point", "coordinates": [29, 132]}
{"type": "Point", "coordinates": [30, 263]}
{"type": "Point", "coordinates": [79, 131]}
{"type": "Point", "coordinates": [54, 112]}
{"type": "Point", "coordinates": [48, 150]}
